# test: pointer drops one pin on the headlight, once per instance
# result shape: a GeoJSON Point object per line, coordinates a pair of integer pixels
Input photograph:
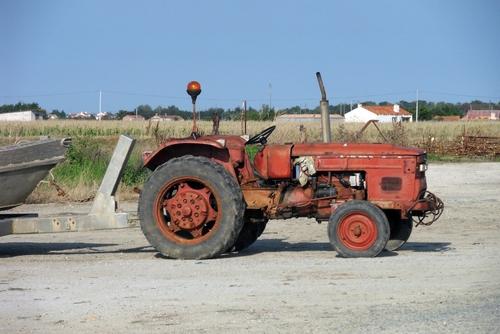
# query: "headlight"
{"type": "Point", "coordinates": [422, 167]}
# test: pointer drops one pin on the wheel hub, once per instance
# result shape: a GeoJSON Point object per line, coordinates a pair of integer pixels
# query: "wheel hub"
{"type": "Point", "coordinates": [357, 232]}
{"type": "Point", "coordinates": [189, 208]}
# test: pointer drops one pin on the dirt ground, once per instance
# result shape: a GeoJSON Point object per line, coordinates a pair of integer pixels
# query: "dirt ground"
{"type": "Point", "coordinates": [446, 279]}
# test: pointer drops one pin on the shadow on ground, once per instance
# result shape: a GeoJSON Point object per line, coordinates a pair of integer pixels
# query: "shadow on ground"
{"type": "Point", "coordinates": [280, 245]}
{"type": "Point", "coordinates": [11, 249]}
{"type": "Point", "coordinates": [427, 246]}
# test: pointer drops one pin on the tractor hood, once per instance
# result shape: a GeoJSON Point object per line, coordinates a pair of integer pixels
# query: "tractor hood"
{"type": "Point", "coordinates": [366, 149]}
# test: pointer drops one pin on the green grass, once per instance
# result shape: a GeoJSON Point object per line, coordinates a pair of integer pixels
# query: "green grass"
{"type": "Point", "coordinates": [87, 160]}
{"type": "Point", "coordinates": [432, 157]}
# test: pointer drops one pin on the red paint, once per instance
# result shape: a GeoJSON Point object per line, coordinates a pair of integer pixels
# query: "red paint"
{"type": "Point", "coordinates": [274, 162]}
{"type": "Point", "coordinates": [186, 210]}
{"type": "Point", "coordinates": [272, 170]}
{"type": "Point", "coordinates": [357, 231]}
{"type": "Point", "coordinates": [348, 149]}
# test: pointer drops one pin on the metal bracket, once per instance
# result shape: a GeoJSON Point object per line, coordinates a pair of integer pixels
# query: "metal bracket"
{"type": "Point", "coordinates": [102, 215]}
{"type": "Point", "coordinates": [374, 122]}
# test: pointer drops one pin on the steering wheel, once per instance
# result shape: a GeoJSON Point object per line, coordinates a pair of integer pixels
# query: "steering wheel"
{"type": "Point", "coordinates": [261, 137]}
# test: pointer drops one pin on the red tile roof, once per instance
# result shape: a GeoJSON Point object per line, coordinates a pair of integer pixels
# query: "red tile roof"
{"type": "Point", "coordinates": [483, 114]}
{"type": "Point", "coordinates": [386, 110]}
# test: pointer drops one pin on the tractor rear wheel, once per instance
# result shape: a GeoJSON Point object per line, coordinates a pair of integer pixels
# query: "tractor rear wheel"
{"type": "Point", "coordinates": [251, 231]}
{"type": "Point", "coordinates": [358, 229]}
{"type": "Point", "coordinates": [400, 233]}
{"type": "Point", "coordinates": [191, 208]}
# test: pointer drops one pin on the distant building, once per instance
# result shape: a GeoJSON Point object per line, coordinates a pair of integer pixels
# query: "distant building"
{"type": "Point", "coordinates": [446, 118]}
{"type": "Point", "coordinates": [388, 113]}
{"type": "Point", "coordinates": [53, 116]}
{"type": "Point", "coordinates": [492, 115]}
{"type": "Point", "coordinates": [21, 116]}
{"type": "Point", "coordinates": [103, 116]}
{"type": "Point", "coordinates": [133, 118]}
{"type": "Point", "coordinates": [307, 118]}
{"type": "Point", "coordinates": [81, 115]}
{"type": "Point", "coordinates": [166, 118]}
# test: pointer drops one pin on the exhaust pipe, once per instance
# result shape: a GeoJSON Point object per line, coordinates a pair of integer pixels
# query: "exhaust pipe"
{"type": "Point", "coordinates": [325, 115]}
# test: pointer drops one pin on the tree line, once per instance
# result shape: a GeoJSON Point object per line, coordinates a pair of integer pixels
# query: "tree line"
{"type": "Point", "coordinates": [427, 110]}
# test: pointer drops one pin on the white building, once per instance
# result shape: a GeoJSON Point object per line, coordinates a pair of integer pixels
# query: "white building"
{"type": "Point", "coordinates": [20, 116]}
{"type": "Point", "coordinates": [133, 118]}
{"type": "Point", "coordinates": [165, 118]}
{"type": "Point", "coordinates": [389, 113]}
{"type": "Point", "coordinates": [103, 115]}
{"type": "Point", "coordinates": [81, 115]}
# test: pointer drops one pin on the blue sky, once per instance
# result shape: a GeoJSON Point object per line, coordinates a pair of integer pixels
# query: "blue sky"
{"type": "Point", "coordinates": [61, 53]}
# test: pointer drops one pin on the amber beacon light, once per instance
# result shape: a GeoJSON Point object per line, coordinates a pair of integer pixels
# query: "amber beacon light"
{"type": "Point", "coordinates": [194, 89]}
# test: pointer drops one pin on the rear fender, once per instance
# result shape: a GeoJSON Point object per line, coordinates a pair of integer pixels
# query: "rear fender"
{"type": "Point", "coordinates": [209, 149]}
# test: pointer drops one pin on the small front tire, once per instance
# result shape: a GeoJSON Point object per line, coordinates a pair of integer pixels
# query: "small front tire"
{"type": "Point", "coordinates": [358, 229]}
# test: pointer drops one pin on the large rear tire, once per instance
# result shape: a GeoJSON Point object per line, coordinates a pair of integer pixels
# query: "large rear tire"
{"type": "Point", "coordinates": [358, 229]}
{"type": "Point", "coordinates": [191, 208]}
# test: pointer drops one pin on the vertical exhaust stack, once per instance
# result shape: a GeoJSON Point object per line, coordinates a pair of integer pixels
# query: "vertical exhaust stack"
{"type": "Point", "coordinates": [325, 115]}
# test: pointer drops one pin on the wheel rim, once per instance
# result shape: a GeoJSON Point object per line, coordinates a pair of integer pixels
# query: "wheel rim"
{"type": "Point", "coordinates": [357, 231]}
{"type": "Point", "coordinates": [187, 210]}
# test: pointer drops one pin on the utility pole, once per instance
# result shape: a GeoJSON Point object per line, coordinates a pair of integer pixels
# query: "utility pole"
{"type": "Point", "coordinates": [244, 118]}
{"type": "Point", "coordinates": [416, 109]}
{"type": "Point", "coordinates": [100, 100]}
{"type": "Point", "coordinates": [270, 96]}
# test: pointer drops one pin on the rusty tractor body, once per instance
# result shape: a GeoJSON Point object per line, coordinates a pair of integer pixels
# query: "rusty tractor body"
{"type": "Point", "coordinates": [212, 194]}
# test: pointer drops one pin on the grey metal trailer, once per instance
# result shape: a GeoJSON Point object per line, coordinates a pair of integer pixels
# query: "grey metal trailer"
{"type": "Point", "coordinates": [102, 215]}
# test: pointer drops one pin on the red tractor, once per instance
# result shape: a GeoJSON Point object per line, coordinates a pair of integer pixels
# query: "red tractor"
{"type": "Point", "coordinates": [212, 194]}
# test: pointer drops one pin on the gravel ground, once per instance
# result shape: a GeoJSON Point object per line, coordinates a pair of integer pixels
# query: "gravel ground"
{"type": "Point", "coordinates": [446, 278]}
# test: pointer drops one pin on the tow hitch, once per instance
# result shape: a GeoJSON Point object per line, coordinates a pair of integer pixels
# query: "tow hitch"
{"type": "Point", "coordinates": [427, 210]}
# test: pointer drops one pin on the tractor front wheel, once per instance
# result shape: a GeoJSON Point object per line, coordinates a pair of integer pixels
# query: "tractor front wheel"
{"type": "Point", "coordinates": [191, 208]}
{"type": "Point", "coordinates": [358, 229]}
{"type": "Point", "coordinates": [400, 232]}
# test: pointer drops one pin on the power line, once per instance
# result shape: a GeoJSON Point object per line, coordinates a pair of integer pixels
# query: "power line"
{"type": "Point", "coordinates": [143, 94]}
{"type": "Point", "coordinates": [50, 94]}
{"type": "Point", "coordinates": [115, 92]}
{"type": "Point", "coordinates": [459, 94]}
{"type": "Point", "coordinates": [255, 99]}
